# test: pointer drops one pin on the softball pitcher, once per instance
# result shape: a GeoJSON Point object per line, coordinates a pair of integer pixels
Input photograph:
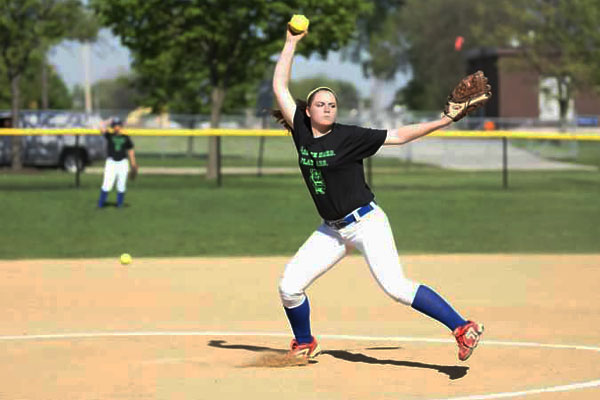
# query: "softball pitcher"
{"type": "Point", "coordinates": [331, 161]}
{"type": "Point", "coordinates": [119, 154]}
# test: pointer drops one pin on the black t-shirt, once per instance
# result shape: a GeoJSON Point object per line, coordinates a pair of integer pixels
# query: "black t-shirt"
{"type": "Point", "coordinates": [117, 145]}
{"type": "Point", "coordinates": [332, 165]}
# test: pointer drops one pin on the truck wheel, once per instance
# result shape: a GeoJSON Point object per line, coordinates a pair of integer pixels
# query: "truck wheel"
{"type": "Point", "coordinates": [71, 160]}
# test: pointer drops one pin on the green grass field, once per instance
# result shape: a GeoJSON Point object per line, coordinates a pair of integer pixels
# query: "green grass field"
{"type": "Point", "coordinates": [236, 151]}
{"type": "Point", "coordinates": [431, 211]}
{"type": "Point", "coordinates": [279, 152]}
{"type": "Point", "coordinates": [582, 152]}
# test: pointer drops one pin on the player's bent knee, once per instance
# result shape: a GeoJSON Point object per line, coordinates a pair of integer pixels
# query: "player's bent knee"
{"type": "Point", "coordinates": [403, 291]}
{"type": "Point", "coordinates": [290, 296]}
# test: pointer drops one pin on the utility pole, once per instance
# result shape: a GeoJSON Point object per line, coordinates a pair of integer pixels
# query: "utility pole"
{"type": "Point", "coordinates": [85, 56]}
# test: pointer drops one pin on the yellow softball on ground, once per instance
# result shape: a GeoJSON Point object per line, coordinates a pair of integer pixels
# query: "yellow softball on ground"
{"type": "Point", "coordinates": [125, 259]}
{"type": "Point", "coordinates": [298, 23]}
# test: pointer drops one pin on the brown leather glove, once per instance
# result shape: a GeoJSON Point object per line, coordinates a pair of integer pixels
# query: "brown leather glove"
{"type": "Point", "coordinates": [133, 172]}
{"type": "Point", "coordinates": [472, 92]}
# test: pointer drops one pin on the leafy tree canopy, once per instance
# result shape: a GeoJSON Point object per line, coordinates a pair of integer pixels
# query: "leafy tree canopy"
{"type": "Point", "coordinates": [59, 97]}
{"type": "Point", "coordinates": [559, 38]}
{"type": "Point", "coordinates": [30, 26]}
{"type": "Point", "coordinates": [371, 47]}
{"type": "Point", "coordinates": [205, 48]}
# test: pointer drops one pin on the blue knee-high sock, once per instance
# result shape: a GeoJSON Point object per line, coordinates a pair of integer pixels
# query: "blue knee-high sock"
{"type": "Point", "coordinates": [102, 198]}
{"type": "Point", "coordinates": [432, 304]}
{"type": "Point", "coordinates": [120, 198]}
{"type": "Point", "coordinates": [299, 318]}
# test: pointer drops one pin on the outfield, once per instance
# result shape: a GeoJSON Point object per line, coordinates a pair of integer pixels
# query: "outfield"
{"type": "Point", "coordinates": [432, 211]}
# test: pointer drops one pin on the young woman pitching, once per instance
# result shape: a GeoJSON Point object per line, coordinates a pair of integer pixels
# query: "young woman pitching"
{"type": "Point", "coordinates": [331, 161]}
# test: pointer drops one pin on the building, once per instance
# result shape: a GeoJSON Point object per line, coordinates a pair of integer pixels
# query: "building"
{"type": "Point", "coordinates": [521, 93]}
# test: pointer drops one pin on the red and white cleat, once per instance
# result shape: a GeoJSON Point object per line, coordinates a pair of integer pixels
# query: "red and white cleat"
{"type": "Point", "coordinates": [304, 351]}
{"type": "Point", "coordinates": [467, 337]}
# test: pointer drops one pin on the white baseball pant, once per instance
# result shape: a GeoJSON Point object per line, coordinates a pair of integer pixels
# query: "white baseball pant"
{"type": "Point", "coordinates": [371, 235]}
{"type": "Point", "coordinates": [115, 170]}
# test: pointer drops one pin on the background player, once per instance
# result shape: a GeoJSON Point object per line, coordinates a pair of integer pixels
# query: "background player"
{"type": "Point", "coordinates": [120, 154]}
{"type": "Point", "coordinates": [331, 161]}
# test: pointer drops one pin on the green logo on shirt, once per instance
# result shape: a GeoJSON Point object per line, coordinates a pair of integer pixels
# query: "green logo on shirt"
{"type": "Point", "coordinates": [316, 158]}
{"type": "Point", "coordinates": [317, 180]}
{"type": "Point", "coordinates": [118, 142]}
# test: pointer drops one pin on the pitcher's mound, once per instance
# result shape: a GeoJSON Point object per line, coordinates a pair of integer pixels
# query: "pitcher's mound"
{"type": "Point", "coordinates": [276, 360]}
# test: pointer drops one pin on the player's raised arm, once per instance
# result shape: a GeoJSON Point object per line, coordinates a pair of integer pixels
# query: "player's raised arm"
{"type": "Point", "coordinates": [281, 77]}
{"type": "Point", "coordinates": [103, 126]}
{"type": "Point", "coordinates": [472, 92]}
{"type": "Point", "coordinates": [407, 133]}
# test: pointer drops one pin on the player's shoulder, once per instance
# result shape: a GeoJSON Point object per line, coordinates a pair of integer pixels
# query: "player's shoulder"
{"type": "Point", "coordinates": [350, 129]}
{"type": "Point", "coordinates": [300, 117]}
{"type": "Point", "coordinates": [347, 126]}
{"type": "Point", "coordinates": [301, 122]}
{"type": "Point", "coordinates": [357, 129]}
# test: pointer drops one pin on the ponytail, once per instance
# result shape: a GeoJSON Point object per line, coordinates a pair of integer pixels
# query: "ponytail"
{"type": "Point", "coordinates": [278, 115]}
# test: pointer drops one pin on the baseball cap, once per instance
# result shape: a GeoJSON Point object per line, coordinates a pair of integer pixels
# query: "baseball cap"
{"type": "Point", "coordinates": [116, 122]}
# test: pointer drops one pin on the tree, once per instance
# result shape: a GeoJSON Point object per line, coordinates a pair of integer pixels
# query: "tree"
{"type": "Point", "coordinates": [375, 49]}
{"type": "Point", "coordinates": [562, 42]}
{"type": "Point", "coordinates": [558, 39]}
{"type": "Point", "coordinates": [217, 45]}
{"type": "Point", "coordinates": [27, 29]}
{"type": "Point", "coordinates": [371, 47]}
{"type": "Point", "coordinates": [29, 88]}
{"type": "Point", "coordinates": [116, 94]}
{"type": "Point", "coordinates": [426, 32]}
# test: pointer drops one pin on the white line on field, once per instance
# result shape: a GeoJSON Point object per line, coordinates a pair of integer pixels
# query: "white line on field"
{"type": "Point", "coordinates": [504, 395]}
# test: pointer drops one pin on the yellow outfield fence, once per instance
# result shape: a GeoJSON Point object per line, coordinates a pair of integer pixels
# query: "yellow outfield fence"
{"type": "Point", "coordinates": [539, 135]}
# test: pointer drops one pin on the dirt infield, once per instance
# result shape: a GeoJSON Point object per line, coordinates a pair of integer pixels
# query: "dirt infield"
{"type": "Point", "coordinates": [214, 328]}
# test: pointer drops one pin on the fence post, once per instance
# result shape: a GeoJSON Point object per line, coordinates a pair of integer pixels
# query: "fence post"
{"type": "Point", "coordinates": [504, 162]}
{"type": "Point", "coordinates": [77, 169]}
{"type": "Point", "coordinates": [261, 146]}
{"type": "Point", "coordinates": [190, 141]}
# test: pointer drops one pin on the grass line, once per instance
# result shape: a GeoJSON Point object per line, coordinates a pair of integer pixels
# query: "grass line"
{"type": "Point", "coordinates": [431, 211]}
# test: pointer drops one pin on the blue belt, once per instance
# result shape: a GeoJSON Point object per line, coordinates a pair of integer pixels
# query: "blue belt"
{"type": "Point", "coordinates": [351, 218]}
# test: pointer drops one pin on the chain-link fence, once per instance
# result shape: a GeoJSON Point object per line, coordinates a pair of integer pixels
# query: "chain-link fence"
{"type": "Point", "coordinates": [169, 153]}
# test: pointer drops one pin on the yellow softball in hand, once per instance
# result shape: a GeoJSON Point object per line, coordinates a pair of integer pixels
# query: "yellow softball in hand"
{"type": "Point", "coordinates": [298, 24]}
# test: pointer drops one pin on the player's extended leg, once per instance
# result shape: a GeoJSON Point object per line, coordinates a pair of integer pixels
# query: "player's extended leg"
{"type": "Point", "coordinates": [122, 171]}
{"type": "Point", "coordinates": [110, 174]}
{"type": "Point", "coordinates": [321, 251]}
{"type": "Point", "coordinates": [374, 238]}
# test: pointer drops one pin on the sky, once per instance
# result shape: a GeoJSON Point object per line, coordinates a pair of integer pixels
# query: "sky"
{"type": "Point", "coordinates": [110, 59]}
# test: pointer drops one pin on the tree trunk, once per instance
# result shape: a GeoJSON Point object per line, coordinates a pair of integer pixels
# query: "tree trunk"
{"type": "Point", "coordinates": [17, 162]}
{"type": "Point", "coordinates": [214, 144]}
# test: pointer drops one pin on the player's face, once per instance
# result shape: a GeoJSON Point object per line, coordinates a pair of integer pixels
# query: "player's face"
{"type": "Point", "coordinates": [323, 109]}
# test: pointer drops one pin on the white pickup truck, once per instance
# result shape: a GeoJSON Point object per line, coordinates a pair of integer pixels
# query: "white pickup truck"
{"type": "Point", "coordinates": [61, 151]}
